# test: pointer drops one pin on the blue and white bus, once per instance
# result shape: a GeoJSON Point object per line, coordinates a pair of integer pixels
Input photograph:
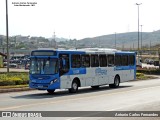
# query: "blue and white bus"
{"type": "Point", "coordinates": [71, 69]}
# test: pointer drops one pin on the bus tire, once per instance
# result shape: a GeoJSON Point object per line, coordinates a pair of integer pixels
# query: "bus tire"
{"type": "Point", "coordinates": [74, 87]}
{"type": "Point", "coordinates": [95, 87]}
{"type": "Point", "coordinates": [116, 82]}
{"type": "Point", "coordinates": [51, 91]}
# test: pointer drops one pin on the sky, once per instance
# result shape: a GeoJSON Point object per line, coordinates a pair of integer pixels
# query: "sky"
{"type": "Point", "coordinates": [78, 19]}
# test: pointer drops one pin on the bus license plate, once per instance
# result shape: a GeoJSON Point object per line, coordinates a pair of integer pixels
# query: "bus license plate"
{"type": "Point", "coordinates": [40, 86]}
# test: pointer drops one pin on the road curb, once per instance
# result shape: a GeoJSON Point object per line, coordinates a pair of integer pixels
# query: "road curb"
{"type": "Point", "coordinates": [15, 89]}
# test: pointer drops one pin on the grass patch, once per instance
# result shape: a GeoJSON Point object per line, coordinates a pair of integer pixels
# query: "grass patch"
{"type": "Point", "coordinates": [142, 76]}
{"type": "Point", "coordinates": [145, 73]}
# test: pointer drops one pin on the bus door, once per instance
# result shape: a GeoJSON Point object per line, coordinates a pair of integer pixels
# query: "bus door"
{"type": "Point", "coordinates": [64, 69]}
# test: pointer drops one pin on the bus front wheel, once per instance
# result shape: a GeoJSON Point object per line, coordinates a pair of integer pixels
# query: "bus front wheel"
{"type": "Point", "coordinates": [116, 82]}
{"type": "Point", "coordinates": [51, 91]}
{"type": "Point", "coordinates": [74, 87]}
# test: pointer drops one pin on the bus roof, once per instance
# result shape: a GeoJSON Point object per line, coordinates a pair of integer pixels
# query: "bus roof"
{"type": "Point", "coordinates": [98, 50]}
{"type": "Point", "coordinates": [90, 51]}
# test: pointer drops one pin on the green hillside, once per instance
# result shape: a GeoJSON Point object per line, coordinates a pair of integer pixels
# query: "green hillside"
{"type": "Point", "coordinates": [123, 40]}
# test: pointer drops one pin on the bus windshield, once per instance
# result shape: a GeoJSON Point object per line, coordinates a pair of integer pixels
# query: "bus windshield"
{"type": "Point", "coordinates": [44, 66]}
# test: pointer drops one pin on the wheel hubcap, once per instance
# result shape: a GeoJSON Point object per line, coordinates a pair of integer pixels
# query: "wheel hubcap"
{"type": "Point", "coordinates": [117, 82]}
{"type": "Point", "coordinates": [74, 86]}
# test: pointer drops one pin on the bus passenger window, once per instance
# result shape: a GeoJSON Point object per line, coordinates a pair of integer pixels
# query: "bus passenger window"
{"type": "Point", "coordinates": [94, 61]}
{"type": "Point", "coordinates": [110, 60]}
{"type": "Point", "coordinates": [118, 60]}
{"type": "Point", "coordinates": [85, 60]}
{"type": "Point", "coordinates": [125, 60]}
{"type": "Point", "coordinates": [76, 61]}
{"type": "Point", "coordinates": [103, 60]}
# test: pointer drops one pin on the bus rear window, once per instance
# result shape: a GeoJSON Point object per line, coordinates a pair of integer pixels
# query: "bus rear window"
{"type": "Point", "coordinates": [131, 60]}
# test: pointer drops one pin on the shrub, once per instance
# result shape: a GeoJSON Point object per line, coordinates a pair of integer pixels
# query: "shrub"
{"type": "Point", "coordinates": [14, 79]}
{"type": "Point", "coordinates": [139, 74]}
{"type": "Point", "coordinates": [149, 71]}
{"type": "Point", "coordinates": [6, 82]}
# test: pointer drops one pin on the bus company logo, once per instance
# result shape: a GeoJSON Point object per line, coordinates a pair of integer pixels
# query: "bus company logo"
{"type": "Point", "coordinates": [6, 114]}
{"type": "Point", "coordinates": [99, 71]}
{"type": "Point", "coordinates": [75, 71]}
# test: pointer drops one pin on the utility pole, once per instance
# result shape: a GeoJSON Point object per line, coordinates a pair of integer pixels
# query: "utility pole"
{"type": "Point", "coordinates": [123, 45]}
{"type": "Point", "coordinates": [15, 41]}
{"type": "Point", "coordinates": [54, 38]}
{"type": "Point", "coordinates": [115, 41]}
{"type": "Point", "coordinates": [150, 47]}
{"type": "Point", "coordinates": [138, 4]}
{"type": "Point", "coordinates": [7, 36]}
{"type": "Point", "coordinates": [159, 56]}
{"type": "Point", "coordinates": [141, 37]}
{"type": "Point", "coordinates": [75, 44]}
{"type": "Point", "coordinates": [141, 41]}
{"type": "Point", "coordinates": [99, 42]}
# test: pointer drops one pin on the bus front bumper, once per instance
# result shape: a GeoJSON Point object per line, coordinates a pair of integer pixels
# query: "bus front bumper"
{"type": "Point", "coordinates": [44, 86]}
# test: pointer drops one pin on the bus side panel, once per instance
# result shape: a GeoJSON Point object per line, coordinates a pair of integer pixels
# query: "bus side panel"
{"type": "Point", "coordinates": [65, 81]}
{"type": "Point", "coordinates": [120, 73]}
{"type": "Point", "coordinates": [90, 77]}
{"type": "Point", "coordinates": [126, 73]}
{"type": "Point", "coordinates": [81, 77]}
{"type": "Point", "coordinates": [96, 76]}
{"type": "Point", "coordinates": [111, 75]}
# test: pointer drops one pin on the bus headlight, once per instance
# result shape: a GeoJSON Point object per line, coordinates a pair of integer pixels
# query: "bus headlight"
{"type": "Point", "coordinates": [53, 81]}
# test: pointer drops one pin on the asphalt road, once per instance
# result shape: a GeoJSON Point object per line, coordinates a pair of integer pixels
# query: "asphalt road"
{"type": "Point", "coordinates": [130, 96]}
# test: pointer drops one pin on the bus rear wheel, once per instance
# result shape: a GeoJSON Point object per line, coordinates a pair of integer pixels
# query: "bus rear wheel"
{"type": "Point", "coordinates": [116, 82]}
{"type": "Point", "coordinates": [74, 87]}
{"type": "Point", "coordinates": [51, 91]}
